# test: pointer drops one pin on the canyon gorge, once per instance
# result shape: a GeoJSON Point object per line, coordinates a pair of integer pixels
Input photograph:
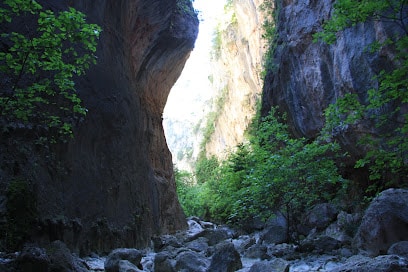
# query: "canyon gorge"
{"type": "Point", "coordinates": [112, 185]}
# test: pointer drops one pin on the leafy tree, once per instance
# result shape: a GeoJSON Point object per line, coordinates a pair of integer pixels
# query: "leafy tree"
{"type": "Point", "coordinates": [287, 174]}
{"type": "Point", "coordinates": [38, 64]}
{"type": "Point", "coordinates": [386, 105]}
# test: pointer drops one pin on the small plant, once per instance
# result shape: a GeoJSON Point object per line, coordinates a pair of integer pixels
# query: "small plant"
{"type": "Point", "coordinates": [21, 213]}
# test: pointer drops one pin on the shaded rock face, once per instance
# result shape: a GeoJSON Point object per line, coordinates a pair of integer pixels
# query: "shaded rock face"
{"type": "Point", "coordinates": [117, 186]}
{"type": "Point", "coordinates": [309, 76]}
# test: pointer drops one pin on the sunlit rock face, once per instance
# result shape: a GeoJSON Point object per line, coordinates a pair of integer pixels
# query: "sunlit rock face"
{"type": "Point", "coordinates": [309, 76]}
{"type": "Point", "coordinates": [236, 74]}
{"type": "Point", "coordinates": [117, 188]}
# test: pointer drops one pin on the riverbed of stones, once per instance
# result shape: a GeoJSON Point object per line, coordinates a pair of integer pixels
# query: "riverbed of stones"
{"type": "Point", "coordinates": [333, 241]}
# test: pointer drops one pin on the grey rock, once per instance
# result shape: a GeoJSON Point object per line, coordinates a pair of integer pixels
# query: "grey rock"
{"type": "Point", "coordinates": [320, 216]}
{"type": "Point", "coordinates": [257, 251]}
{"type": "Point", "coordinates": [199, 245]}
{"type": "Point", "coordinates": [400, 249]}
{"type": "Point", "coordinates": [126, 266]}
{"type": "Point", "coordinates": [384, 223]}
{"type": "Point", "coordinates": [384, 263]}
{"type": "Point", "coordinates": [225, 259]}
{"type": "Point", "coordinates": [61, 259]}
{"type": "Point", "coordinates": [320, 244]}
{"type": "Point", "coordinates": [33, 258]}
{"type": "Point", "coordinates": [191, 261]}
{"type": "Point", "coordinates": [112, 263]}
{"type": "Point", "coordinates": [275, 231]}
{"type": "Point", "coordinates": [164, 263]}
{"type": "Point", "coordinates": [275, 265]}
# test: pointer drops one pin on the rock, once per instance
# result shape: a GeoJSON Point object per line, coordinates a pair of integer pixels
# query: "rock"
{"type": "Point", "coordinates": [33, 258]}
{"type": "Point", "coordinates": [400, 249]}
{"type": "Point", "coordinates": [161, 242]}
{"type": "Point", "coordinates": [225, 259]}
{"type": "Point", "coordinates": [286, 251]}
{"type": "Point", "coordinates": [385, 222]}
{"type": "Point", "coordinates": [308, 76]}
{"type": "Point", "coordinates": [163, 263]}
{"type": "Point", "coordinates": [242, 243]}
{"type": "Point", "coordinates": [384, 263]}
{"type": "Point", "coordinates": [256, 251]}
{"type": "Point", "coordinates": [275, 231]}
{"type": "Point", "coordinates": [236, 72]}
{"type": "Point", "coordinates": [321, 244]}
{"type": "Point", "coordinates": [275, 265]}
{"type": "Point", "coordinates": [113, 261]}
{"type": "Point", "coordinates": [199, 245]}
{"type": "Point", "coordinates": [320, 216]}
{"type": "Point", "coordinates": [191, 261]}
{"type": "Point", "coordinates": [345, 227]}
{"type": "Point", "coordinates": [126, 266]}
{"type": "Point", "coordinates": [118, 167]}
{"type": "Point", "coordinates": [214, 236]}
{"type": "Point", "coordinates": [62, 260]}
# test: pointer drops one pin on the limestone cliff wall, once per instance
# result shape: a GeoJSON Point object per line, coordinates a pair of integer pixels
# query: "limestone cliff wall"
{"type": "Point", "coordinates": [236, 74]}
{"type": "Point", "coordinates": [115, 186]}
{"type": "Point", "coordinates": [309, 76]}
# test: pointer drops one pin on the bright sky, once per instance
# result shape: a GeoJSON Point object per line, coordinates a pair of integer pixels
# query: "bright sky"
{"type": "Point", "coordinates": [187, 97]}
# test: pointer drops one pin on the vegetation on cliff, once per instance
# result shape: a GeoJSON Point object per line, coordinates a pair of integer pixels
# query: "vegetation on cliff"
{"type": "Point", "coordinates": [39, 103]}
{"type": "Point", "coordinates": [275, 171]}
{"type": "Point", "coordinates": [386, 146]}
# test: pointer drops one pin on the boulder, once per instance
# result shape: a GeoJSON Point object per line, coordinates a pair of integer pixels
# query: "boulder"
{"type": "Point", "coordinates": [199, 245]}
{"type": "Point", "coordinates": [257, 251]}
{"type": "Point", "coordinates": [163, 262]}
{"type": "Point", "coordinates": [242, 243]}
{"type": "Point", "coordinates": [345, 227]}
{"type": "Point", "coordinates": [113, 261]}
{"type": "Point", "coordinates": [214, 236]}
{"type": "Point", "coordinates": [164, 241]}
{"type": "Point", "coordinates": [286, 251]}
{"type": "Point", "coordinates": [276, 230]}
{"type": "Point", "coordinates": [225, 259]}
{"type": "Point", "coordinates": [385, 222]}
{"type": "Point", "coordinates": [275, 265]}
{"type": "Point", "coordinates": [33, 258]}
{"type": "Point", "coordinates": [191, 261]}
{"type": "Point", "coordinates": [320, 244]}
{"type": "Point", "coordinates": [384, 263]}
{"type": "Point", "coordinates": [62, 260]}
{"type": "Point", "coordinates": [320, 216]}
{"type": "Point", "coordinates": [126, 266]}
{"type": "Point", "coordinates": [400, 249]}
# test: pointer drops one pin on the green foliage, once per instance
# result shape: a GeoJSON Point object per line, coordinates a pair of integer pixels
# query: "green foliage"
{"type": "Point", "coordinates": [216, 44]}
{"type": "Point", "coordinates": [386, 150]}
{"type": "Point", "coordinates": [287, 174]}
{"type": "Point", "coordinates": [348, 13]}
{"type": "Point", "coordinates": [185, 7]}
{"type": "Point", "coordinates": [273, 172]}
{"type": "Point", "coordinates": [21, 213]}
{"type": "Point", "coordinates": [212, 118]}
{"type": "Point", "coordinates": [270, 34]}
{"type": "Point", "coordinates": [38, 65]}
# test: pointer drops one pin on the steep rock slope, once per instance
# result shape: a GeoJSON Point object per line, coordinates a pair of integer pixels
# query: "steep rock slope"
{"type": "Point", "coordinates": [237, 74]}
{"type": "Point", "coordinates": [115, 187]}
{"type": "Point", "coordinates": [309, 76]}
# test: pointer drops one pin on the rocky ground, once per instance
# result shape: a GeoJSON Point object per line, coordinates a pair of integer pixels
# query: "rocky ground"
{"type": "Point", "coordinates": [336, 241]}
